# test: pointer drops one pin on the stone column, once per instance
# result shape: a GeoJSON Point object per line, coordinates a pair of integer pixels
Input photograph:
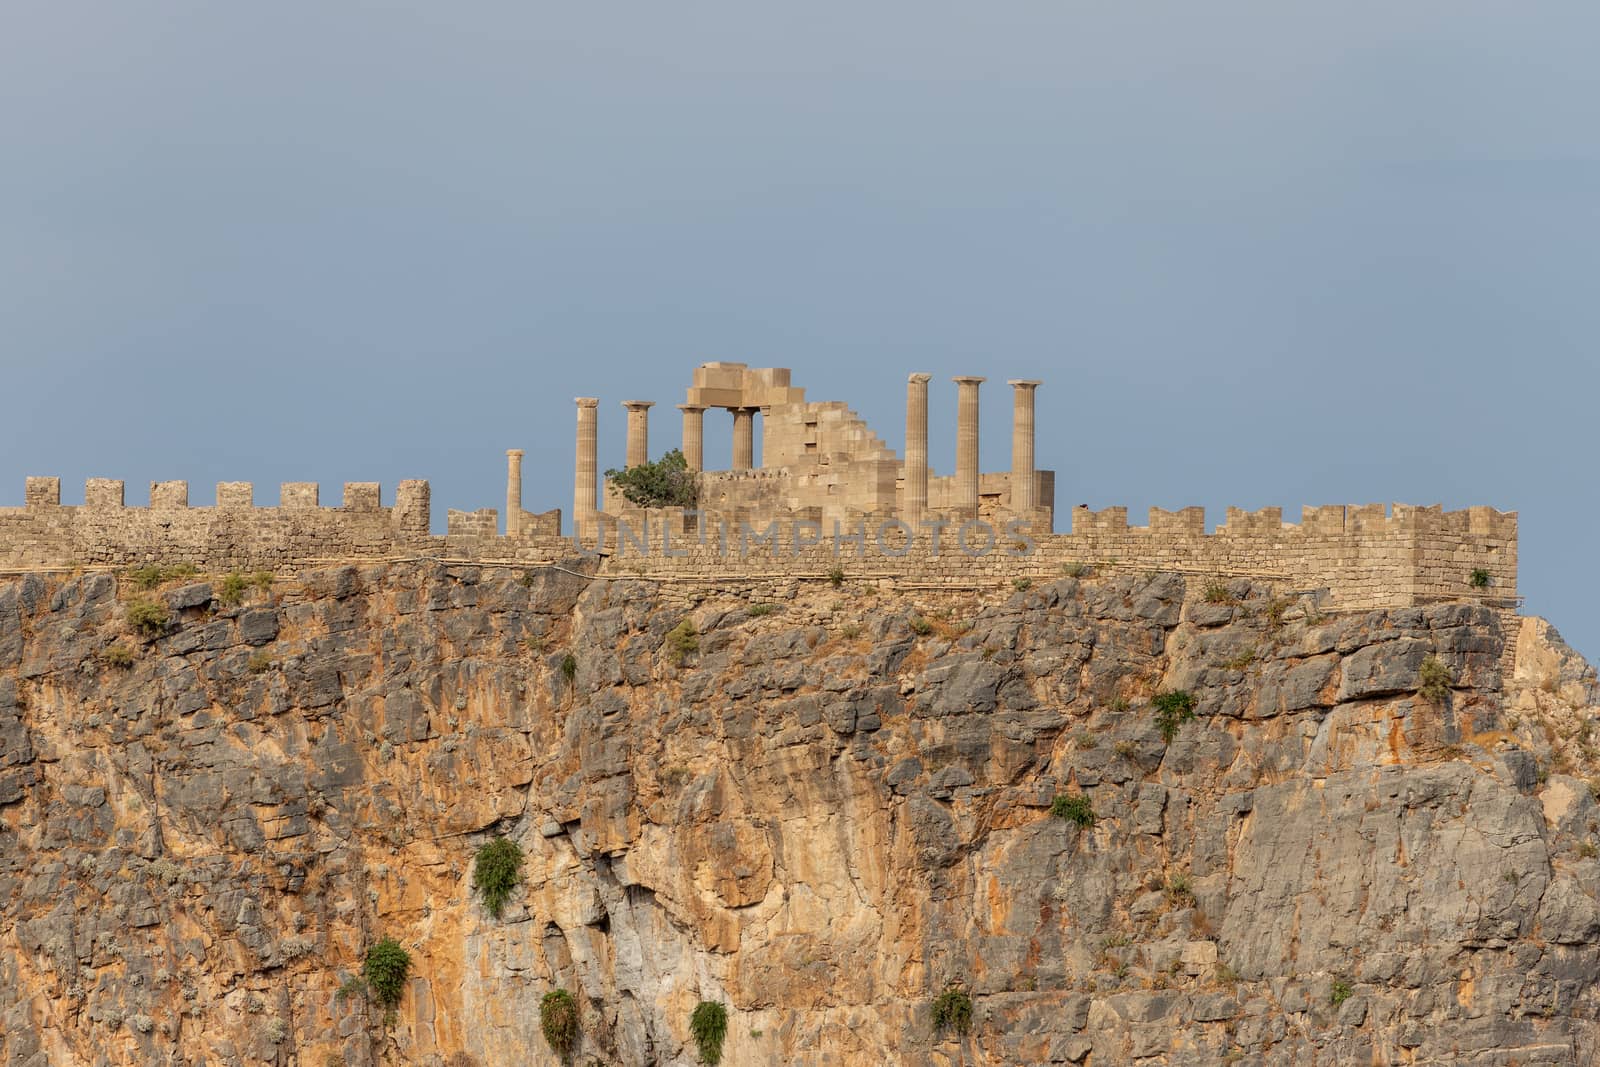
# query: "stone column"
{"type": "Point", "coordinates": [916, 471]}
{"type": "Point", "coordinates": [694, 435]}
{"type": "Point", "coordinates": [1024, 495]}
{"type": "Point", "coordinates": [638, 431]}
{"type": "Point", "coordinates": [966, 501]}
{"type": "Point", "coordinates": [744, 445]}
{"type": "Point", "coordinates": [513, 491]}
{"type": "Point", "coordinates": [584, 501]}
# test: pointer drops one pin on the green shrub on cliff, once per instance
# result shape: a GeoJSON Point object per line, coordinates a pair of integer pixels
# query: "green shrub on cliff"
{"type": "Point", "coordinates": [682, 641]}
{"type": "Point", "coordinates": [952, 1010]}
{"type": "Point", "coordinates": [1434, 680]}
{"type": "Point", "coordinates": [1173, 709]}
{"type": "Point", "coordinates": [385, 971]}
{"type": "Point", "coordinates": [709, 1027]}
{"type": "Point", "coordinates": [666, 483]}
{"type": "Point", "coordinates": [558, 1018]}
{"type": "Point", "coordinates": [496, 871]}
{"type": "Point", "coordinates": [149, 617]}
{"type": "Point", "coordinates": [1074, 808]}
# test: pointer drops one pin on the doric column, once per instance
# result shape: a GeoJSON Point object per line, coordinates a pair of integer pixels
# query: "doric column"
{"type": "Point", "coordinates": [584, 501]}
{"type": "Point", "coordinates": [916, 471]}
{"type": "Point", "coordinates": [513, 491]}
{"type": "Point", "coordinates": [966, 501]}
{"type": "Point", "coordinates": [694, 435]}
{"type": "Point", "coordinates": [744, 445]}
{"type": "Point", "coordinates": [1024, 498]}
{"type": "Point", "coordinates": [638, 431]}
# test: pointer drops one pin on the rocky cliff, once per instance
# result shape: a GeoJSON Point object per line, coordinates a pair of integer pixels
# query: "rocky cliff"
{"type": "Point", "coordinates": [1372, 843]}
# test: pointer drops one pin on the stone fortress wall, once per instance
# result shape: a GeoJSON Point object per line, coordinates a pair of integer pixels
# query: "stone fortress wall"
{"type": "Point", "coordinates": [822, 471]}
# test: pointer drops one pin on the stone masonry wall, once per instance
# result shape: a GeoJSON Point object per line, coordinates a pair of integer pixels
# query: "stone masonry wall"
{"type": "Point", "coordinates": [1357, 557]}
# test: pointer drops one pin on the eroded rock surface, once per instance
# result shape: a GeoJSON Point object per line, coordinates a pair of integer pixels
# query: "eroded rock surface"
{"type": "Point", "coordinates": [823, 815]}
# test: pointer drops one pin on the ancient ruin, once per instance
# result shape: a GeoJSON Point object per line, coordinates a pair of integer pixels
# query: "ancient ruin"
{"type": "Point", "coordinates": [826, 493]}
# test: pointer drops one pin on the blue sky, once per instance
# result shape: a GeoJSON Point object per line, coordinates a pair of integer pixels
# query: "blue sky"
{"type": "Point", "coordinates": [1259, 253]}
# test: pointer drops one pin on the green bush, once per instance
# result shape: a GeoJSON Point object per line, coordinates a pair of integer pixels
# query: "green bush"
{"type": "Point", "coordinates": [1021, 585]}
{"type": "Point", "coordinates": [666, 483]}
{"type": "Point", "coordinates": [1340, 992]}
{"type": "Point", "coordinates": [920, 626]}
{"type": "Point", "coordinates": [117, 656]}
{"type": "Point", "coordinates": [569, 667]}
{"type": "Point", "coordinates": [759, 610]}
{"type": "Point", "coordinates": [233, 589]}
{"type": "Point", "coordinates": [682, 641]}
{"type": "Point", "coordinates": [952, 1010]}
{"type": "Point", "coordinates": [1434, 680]}
{"type": "Point", "coordinates": [558, 1018]}
{"type": "Point", "coordinates": [709, 1027]}
{"type": "Point", "coordinates": [496, 871]}
{"type": "Point", "coordinates": [836, 577]}
{"type": "Point", "coordinates": [1479, 579]}
{"type": "Point", "coordinates": [149, 617]}
{"type": "Point", "coordinates": [385, 971]}
{"type": "Point", "coordinates": [1076, 570]}
{"type": "Point", "coordinates": [1073, 807]}
{"type": "Point", "coordinates": [1173, 709]}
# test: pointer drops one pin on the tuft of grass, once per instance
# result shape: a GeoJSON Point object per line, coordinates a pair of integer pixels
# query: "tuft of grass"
{"type": "Point", "coordinates": [1179, 890]}
{"type": "Point", "coordinates": [836, 577]}
{"type": "Point", "coordinates": [1076, 570]}
{"type": "Point", "coordinates": [233, 589]}
{"type": "Point", "coordinates": [1340, 992]}
{"type": "Point", "coordinates": [262, 580]}
{"type": "Point", "coordinates": [1479, 578]}
{"type": "Point", "coordinates": [1173, 709]}
{"type": "Point", "coordinates": [1434, 680]}
{"type": "Point", "coordinates": [385, 970]}
{"type": "Point", "coordinates": [1241, 661]}
{"type": "Point", "coordinates": [709, 1027]}
{"type": "Point", "coordinates": [756, 611]}
{"type": "Point", "coordinates": [150, 577]}
{"type": "Point", "coordinates": [1126, 749]}
{"type": "Point", "coordinates": [850, 631]}
{"type": "Point", "coordinates": [117, 656]}
{"type": "Point", "coordinates": [259, 663]}
{"type": "Point", "coordinates": [682, 641]}
{"type": "Point", "coordinates": [558, 1019]}
{"type": "Point", "coordinates": [1022, 584]}
{"type": "Point", "coordinates": [496, 871]}
{"type": "Point", "coordinates": [920, 626]}
{"type": "Point", "coordinates": [1074, 808]}
{"type": "Point", "coordinates": [569, 668]}
{"type": "Point", "coordinates": [952, 1010]}
{"type": "Point", "coordinates": [148, 617]}
{"type": "Point", "coordinates": [1217, 593]}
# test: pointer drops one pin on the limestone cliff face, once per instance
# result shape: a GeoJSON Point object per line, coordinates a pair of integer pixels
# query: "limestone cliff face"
{"type": "Point", "coordinates": [823, 816]}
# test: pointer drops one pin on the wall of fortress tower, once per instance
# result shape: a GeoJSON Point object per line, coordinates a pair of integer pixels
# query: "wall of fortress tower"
{"type": "Point", "coordinates": [821, 469]}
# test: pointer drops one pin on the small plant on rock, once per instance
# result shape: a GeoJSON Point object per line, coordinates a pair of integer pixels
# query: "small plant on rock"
{"type": "Point", "coordinates": [1479, 578]}
{"type": "Point", "coordinates": [682, 641]}
{"type": "Point", "coordinates": [496, 871]}
{"type": "Point", "coordinates": [836, 577]}
{"type": "Point", "coordinates": [558, 1018]}
{"type": "Point", "coordinates": [1340, 992]}
{"type": "Point", "coordinates": [757, 611]}
{"type": "Point", "coordinates": [234, 586]}
{"type": "Point", "coordinates": [1434, 680]}
{"type": "Point", "coordinates": [117, 656]}
{"type": "Point", "coordinates": [709, 1027]}
{"type": "Point", "coordinates": [952, 1010]}
{"type": "Point", "coordinates": [1217, 593]}
{"type": "Point", "coordinates": [1076, 570]}
{"type": "Point", "coordinates": [1173, 709]}
{"type": "Point", "coordinates": [259, 663]}
{"type": "Point", "coordinates": [148, 617]}
{"type": "Point", "coordinates": [569, 668]}
{"type": "Point", "coordinates": [385, 971]}
{"type": "Point", "coordinates": [1074, 808]}
{"type": "Point", "coordinates": [920, 626]}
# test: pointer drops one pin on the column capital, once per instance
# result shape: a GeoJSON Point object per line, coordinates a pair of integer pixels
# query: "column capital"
{"type": "Point", "coordinates": [691, 407]}
{"type": "Point", "coordinates": [968, 379]}
{"type": "Point", "coordinates": [638, 405]}
{"type": "Point", "coordinates": [1024, 383]}
{"type": "Point", "coordinates": [920, 378]}
{"type": "Point", "coordinates": [515, 453]}
{"type": "Point", "coordinates": [587, 401]}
